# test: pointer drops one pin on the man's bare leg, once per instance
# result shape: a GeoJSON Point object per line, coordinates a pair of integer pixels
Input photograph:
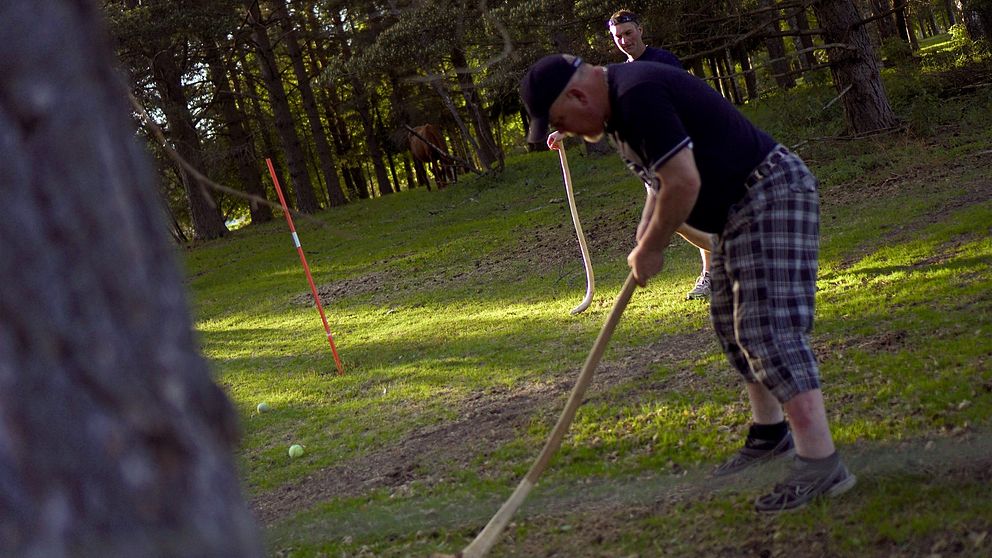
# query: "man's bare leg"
{"type": "Point", "coordinates": [703, 241]}
{"type": "Point", "coordinates": [807, 418]}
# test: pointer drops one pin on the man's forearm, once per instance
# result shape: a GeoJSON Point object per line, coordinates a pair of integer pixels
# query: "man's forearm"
{"type": "Point", "coordinates": [679, 181]}
{"type": "Point", "coordinates": [646, 215]}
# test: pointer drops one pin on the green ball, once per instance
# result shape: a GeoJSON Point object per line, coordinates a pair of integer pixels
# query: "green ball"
{"type": "Point", "coordinates": [295, 450]}
{"type": "Point", "coordinates": [263, 407]}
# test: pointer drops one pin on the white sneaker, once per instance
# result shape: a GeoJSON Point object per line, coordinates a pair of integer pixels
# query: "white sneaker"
{"type": "Point", "coordinates": [702, 289]}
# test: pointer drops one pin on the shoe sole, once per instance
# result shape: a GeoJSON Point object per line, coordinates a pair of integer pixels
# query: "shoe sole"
{"type": "Point", "coordinates": [833, 492]}
{"type": "Point", "coordinates": [785, 454]}
{"type": "Point", "coordinates": [843, 486]}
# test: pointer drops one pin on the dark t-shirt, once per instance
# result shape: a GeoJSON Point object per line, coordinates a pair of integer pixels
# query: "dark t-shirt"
{"type": "Point", "coordinates": [652, 54]}
{"type": "Point", "coordinates": [657, 110]}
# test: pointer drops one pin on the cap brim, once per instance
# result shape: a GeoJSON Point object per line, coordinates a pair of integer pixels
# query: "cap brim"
{"type": "Point", "coordinates": [538, 132]}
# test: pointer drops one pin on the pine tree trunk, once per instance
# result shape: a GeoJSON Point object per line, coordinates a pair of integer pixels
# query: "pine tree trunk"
{"type": "Point", "coordinates": [306, 201]}
{"type": "Point", "coordinates": [364, 109]}
{"type": "Point", "coordinates": [906, 28]}
{"type": "Point", "coordinates": [408, 172]}
{"type": "Point", "coordinates": [439, 88]}
{"type": "Point", "coordinates": [697, 68]}
{"type": "Point", "coordinates": [886, 25]}
{"type": "Point", "coordinates": [481, 124]}
{"type": "Point", "coordinates": [328, 99]}
{"type": "Point", "coordinates": [114, 440]}
{"type": "Point", "coordinates": [362, 186]}
{"type": "Point", "coordinates": [750, 79]}
{"type": "Point", "coordinates": [717, 80]}
{"type": "Point", "coordinates": [776, 52]}
{"type": "Point", "coordinates": [325, 158]}
{"type": "Point", "coordinates": [801, 24]}
{"type": "Point", "coordinates": [249, 99]}
{"type": "Point", "coordinates": [951, 11]}
{"type": "Point", "coordinates": [728, 70]}
{"type": "Point", "coordinates": [914, 41]}
{"type": "Point", "coordinates": [207, 220]}
{"type": "Point", "coordinates": [243, 148]}
{"type": "Point", "coordinates": [866, 106]}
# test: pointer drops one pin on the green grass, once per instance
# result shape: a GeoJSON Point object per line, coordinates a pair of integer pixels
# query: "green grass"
{"type": "Point", "coordinates": [439, 299]}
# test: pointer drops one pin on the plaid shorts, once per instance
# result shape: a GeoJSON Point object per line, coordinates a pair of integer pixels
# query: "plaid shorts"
{"type": "Point", "coordinates": [764, 277]}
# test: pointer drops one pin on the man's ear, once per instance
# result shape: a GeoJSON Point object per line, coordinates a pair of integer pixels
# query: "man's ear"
{"type": "Point", "coordinates": [578, 94]}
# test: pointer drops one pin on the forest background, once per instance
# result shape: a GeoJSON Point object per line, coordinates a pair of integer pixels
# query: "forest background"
{"type": "Point", "coordinates": [450, 307]}
{"type": "Point", "coordinates": [329, 90]}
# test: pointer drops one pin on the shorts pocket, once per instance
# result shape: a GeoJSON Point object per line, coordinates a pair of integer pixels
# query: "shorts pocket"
{"type": "Point", "coordinates": [803, 181]}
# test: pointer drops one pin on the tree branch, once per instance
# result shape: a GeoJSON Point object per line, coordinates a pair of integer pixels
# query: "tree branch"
{"type": "Point", "coordinates": [153, 128]}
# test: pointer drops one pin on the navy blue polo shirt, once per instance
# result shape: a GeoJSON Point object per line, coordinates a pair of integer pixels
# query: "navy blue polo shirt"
{"type": "Point", "coordinates": [652, 54]}
{"type": "Point", "coordinates": [657, 110]}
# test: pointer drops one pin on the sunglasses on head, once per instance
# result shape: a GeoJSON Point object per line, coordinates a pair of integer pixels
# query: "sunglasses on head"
{"type": "Point", "coordinates": [625, 18]}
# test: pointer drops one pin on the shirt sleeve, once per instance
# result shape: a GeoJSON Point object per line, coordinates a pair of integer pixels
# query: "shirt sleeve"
{"type": "Point", "coordinates": [656, 133]}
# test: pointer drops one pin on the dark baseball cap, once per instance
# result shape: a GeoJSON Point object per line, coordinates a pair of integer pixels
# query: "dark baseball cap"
{"type": "Point", "coordinates": [545, 80]}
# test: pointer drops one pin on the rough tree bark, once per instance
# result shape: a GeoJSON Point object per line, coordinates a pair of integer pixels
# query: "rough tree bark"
{"type": "Point", "coordinates": [855, 71]}
{"type": "Point", "coordinates": [114, 441]}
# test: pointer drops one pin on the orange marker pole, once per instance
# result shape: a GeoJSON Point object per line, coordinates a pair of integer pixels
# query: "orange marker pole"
{"type": "Point", "coordinates": [306, 268]}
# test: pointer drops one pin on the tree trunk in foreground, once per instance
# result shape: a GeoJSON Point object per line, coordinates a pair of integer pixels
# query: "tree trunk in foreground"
{"type": "Point", "coordinates": [866, 106]}
{"type": "Point", "coordinates": [114, 441]}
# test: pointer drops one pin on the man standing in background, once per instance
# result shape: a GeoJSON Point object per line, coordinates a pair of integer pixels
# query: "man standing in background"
{"type": "Point", "coordinates": [627, 33]}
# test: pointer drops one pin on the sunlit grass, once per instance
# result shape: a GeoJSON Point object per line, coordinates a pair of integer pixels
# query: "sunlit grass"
{"type": "Point", "coordinates": [436, 308]}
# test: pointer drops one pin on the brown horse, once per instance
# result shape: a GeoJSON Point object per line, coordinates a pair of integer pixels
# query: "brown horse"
{"type": "Point", "coordinates": [428, 146]}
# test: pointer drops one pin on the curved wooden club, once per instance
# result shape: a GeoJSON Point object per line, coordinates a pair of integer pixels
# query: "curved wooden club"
{"type": "Point", "coordinates": [485, 540]}
{"type": "Point", "coordinates": [590, 279]}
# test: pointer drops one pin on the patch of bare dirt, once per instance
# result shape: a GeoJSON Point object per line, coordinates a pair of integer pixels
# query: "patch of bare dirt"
{"type": "Point", "coordinates": [885, 341]}
{"type": "Point", "coordinates": [486, 420]}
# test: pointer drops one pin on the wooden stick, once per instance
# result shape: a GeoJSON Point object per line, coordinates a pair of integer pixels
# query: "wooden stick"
{"type": "Point", "coordinates": [485, 540]}
{"type": "Point", "coordinates": [586, 260]}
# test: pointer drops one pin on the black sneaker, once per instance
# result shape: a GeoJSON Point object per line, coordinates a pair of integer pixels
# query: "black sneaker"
{"type": "Point", "coordinates": [749, 456]}
{"type": "Point", "coordinates": [805, 483]}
